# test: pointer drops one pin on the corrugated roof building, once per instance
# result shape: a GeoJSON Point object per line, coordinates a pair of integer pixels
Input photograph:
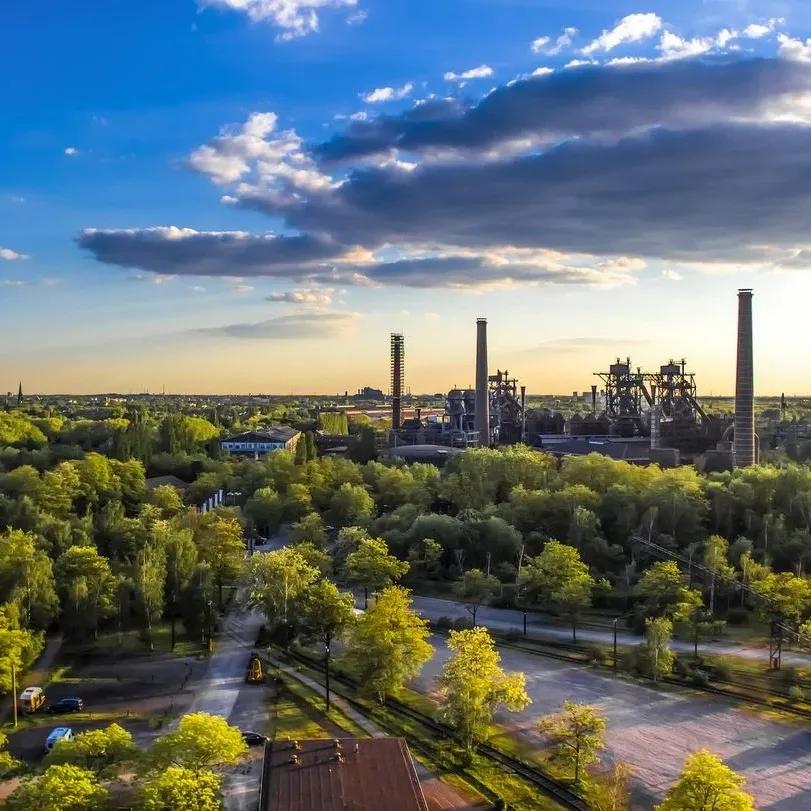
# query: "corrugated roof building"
{"type": "Point", "coordinates": [345, 774]}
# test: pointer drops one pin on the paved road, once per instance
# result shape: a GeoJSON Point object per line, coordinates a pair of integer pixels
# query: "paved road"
{"type": "Point", "coordinates": [655, 730]}
{"type": "Point", "coordinates": [222, 691]}
{"type": "Point", "coordinates": [503, 619]}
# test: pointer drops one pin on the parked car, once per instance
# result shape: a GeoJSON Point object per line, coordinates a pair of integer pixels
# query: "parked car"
{"type": "Point", "coordinates": [66, 705]}
{"type": "Point", "coordinates": [253, 738]}
{"type": "Point", "coordinates": [59, 734]}
{"type": "Point", "coordinates": [32, 699]}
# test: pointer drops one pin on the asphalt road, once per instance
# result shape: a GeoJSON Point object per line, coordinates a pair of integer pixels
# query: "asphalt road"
{"type": "Point", "coordinates": [503, 619]}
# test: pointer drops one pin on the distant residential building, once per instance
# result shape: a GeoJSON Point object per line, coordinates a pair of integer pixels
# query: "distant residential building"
{"type": "Point", "coordinates": [261, 442]}
{"type": "Point", "coordinates": [362, 774]}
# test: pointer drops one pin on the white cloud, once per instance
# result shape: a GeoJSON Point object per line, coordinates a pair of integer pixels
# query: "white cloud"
{"type": "Point", "coordinates": [316, 296]}
{"type": "Point", "coordinates": [633, 28]}
{"type": "Point", "coordinates": [70, 151]}
{"type": "Point", "coordinates": [542, 44]}
{"type": "Point", "coordinates": [794, 49]}
{"type": "Point", "coordinates": [760, 30]}
{"type": "Point", "coordinates": [542, 71]}
{"type": "Point", "coordinates": [295, 18]}
{"type": "Point", "coordinates": [361, 116]}
{"type": "Point", "coordinates": [725, 36]}
{"type": "Point", "coordinates": [673, 46]}
{"type": "Point", "coordinates": [357, 18]}
{"type": "Point", "coordinates": [13, 283]}
{"type": "Point", "coordinates": [11, 256]}
{"type": "Point", "coordinates": [539, 44]}
{"type": "Point", "coordinates": [481, 72]}
{"type": "Point", "coordinates": [578, 63]}
{"type": "Point", "coordinates": [672, 275]}
{"type": "Point", "coordinates": [380, 94]}
{"type": "Point", "coordinates": [432, 316]}
{"type": "Point", "coordinates": [277, 165]}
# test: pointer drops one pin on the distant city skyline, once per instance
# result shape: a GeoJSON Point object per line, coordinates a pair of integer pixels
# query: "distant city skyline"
{"type": "Point", "coordinates": [221, 197]}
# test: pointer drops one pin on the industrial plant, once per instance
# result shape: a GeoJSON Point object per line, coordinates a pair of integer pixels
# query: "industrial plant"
{"type": "Point", "coordinates": [638, 415]}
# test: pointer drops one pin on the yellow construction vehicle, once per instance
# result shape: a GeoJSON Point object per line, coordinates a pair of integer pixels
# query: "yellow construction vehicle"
{"type": "Point", "coordinates": [255, 673]}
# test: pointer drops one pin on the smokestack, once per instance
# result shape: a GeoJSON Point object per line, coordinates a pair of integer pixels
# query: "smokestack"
{"type": "Point", "coordinates": [397, 363]}
{"type": "Point", "coordinates": [593, 399]}
{"type": "Point", "coordinates": [482, 392]}
{"type": "Point", "coordinates": [744, 444]}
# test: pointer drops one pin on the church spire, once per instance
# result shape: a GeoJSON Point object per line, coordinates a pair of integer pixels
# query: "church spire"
{"type": "Point", "coordinates": [20, 393]}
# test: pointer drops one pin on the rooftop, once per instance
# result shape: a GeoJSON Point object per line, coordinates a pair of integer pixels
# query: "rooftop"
{"type": "Point", "coordinates": [277, 433]}
{"type": "Point", "coordinates": [361, 774]}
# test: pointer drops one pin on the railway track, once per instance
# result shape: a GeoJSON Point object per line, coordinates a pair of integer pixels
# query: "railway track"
{"type": "Point", "coordinates": [550, 787]}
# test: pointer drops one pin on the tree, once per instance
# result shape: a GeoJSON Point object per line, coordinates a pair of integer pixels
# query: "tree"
{"type": "Point", "coordinates": [425, 557]}
{"type": "Point", "coordinates": [365, 447]}
{"type": "Point", "coordinates": [181, 558]}
{"type": "Point", "coordinates": [197, 600]}
{"type": "Point", "coordinates": [264, 510]}
{"type": "Point", "coordinates": [26, 579]}
{"type": "Point", "coordinates": [351, 505]}
{"type": "Point", "coordinates": [182, 789]}
{"type": "Point", "coordinates": [85, 585]}
{"type": "Point", "coordinates": [18, 646]}
{"type": "Point", "coordinates": [200, 742]}
{"type": "Point", "coordinates": [326, 613]}
{"type": "Point", "coordinates": [474, 686]}
{"type": "Point", "coordinates": [167, 499]}
{"type": "Point", "coordinates": [715, 559]}
{"type": "Point", "coordinates": [372, 567]}
{"type": "Point", "coordinates": [388, 644]}
{"type": "Point", "coordinates": [276, 579]}
{"type": "Point", "coordinates": [149, 578]}
{"type": "Point", "coordinates": [59, 788]}
{"type": "Point", "coordinates": [559, 581]}
{"type": "Point", "coordinates": [297, 502]}
{"type": "Point", "coordinates": [476, 589]}
{"type": "Point", "coordinates": [706, 783]}
{"type": "Point", "coordinates": [220, 543]}
{"type": "Point", "coordinates": [664, 591]}
{"type": "Point", "coordinates": [577, 734]}
{"type": "Point", "coordinates": [8, 764]}
{"type": "Point", "coordinates": [100, 751]}
{"type": "Point", "coordinates": [657, 643]}
{"type": "Point", "coordinates": [309, 529]}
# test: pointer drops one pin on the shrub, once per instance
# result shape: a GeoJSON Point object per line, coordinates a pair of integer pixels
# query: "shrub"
{"type": "Point", "coordinates": [700, 677]}
{"type": "Point", "coordinates": [796, 693]}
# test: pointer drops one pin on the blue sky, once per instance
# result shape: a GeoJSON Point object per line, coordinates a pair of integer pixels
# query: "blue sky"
{"type": "Point", "coordinates": [610, 203]}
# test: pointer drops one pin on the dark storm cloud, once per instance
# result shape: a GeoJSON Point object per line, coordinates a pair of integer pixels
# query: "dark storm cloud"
{"type": "Point", "coordinates": [172, 250]}
{"type": "Point", "coordinates": [589, 101]}
{"type": "Point", "coordinates": [287, 327]}
{"type": "Point", "coordinates": [699, 194]}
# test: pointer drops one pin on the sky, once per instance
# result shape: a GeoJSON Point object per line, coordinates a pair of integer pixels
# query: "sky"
{"type": "Point", "coordinates": [243, 196]}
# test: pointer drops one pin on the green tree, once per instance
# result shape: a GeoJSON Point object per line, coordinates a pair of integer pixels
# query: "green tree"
{"type": "Point", "coordinates": [476, 589]}
{"type": "Point", "coordinates": [301, 451]}
{"type": "Point", "coordinates": [559, 581]}
{"type": "Point", "coordinates": [197, 601]}
{"type": "Point", "coordinates": [351, 505]}
{"type": "Point", "coordinates": [264, 510]}
{"type": "Point", "coordinates": [577, 734]}
{"type": "Point", "coordinates": [221, 544]}
{"type": "Point", "coordinates": [85, 586]}
{"type": "Point", "coordinates": [181, 789]}
{"type": "Point", "coordinates": [372, 567]}
{"type": "Point", "coordinates": [59, 788]}
{"type": "Point", "coordinates": [425, 558]}
{"type": "Point", "coordinates": [149, 578]}
{"type": "Point", "coordinates": [365, 447]}
{"type": "Point", "coordinates": [473, 686]}
{"type": "Point", "coordinates": [181, 558]}
{"type": "Point", "coordinates": [100, 751]}
{"type": "Point", "coordinates": [663, 589]}
{"type": "Point", "coordinates": [26, 578]}
{"type": "Point", "coordinates": [326, 613]}
{"type": "Point", "coordinates": [309, 529]}
{"type": "Point", "coordinates": [8, 764]}
{"type": "Point", "coordinates": [276, 580]}
{"type": "Point", "coordinates": [297, 502]}
{"type": "Point", "coordinates": [167, 499]}
{"type": "Point", "coordinates": [660, 658]}
{"type": "Point", "coordinates": [388, 644]}
{"type": "Point", "coordinates": [199, 743]}
{"type": "Point", "coordinates": [715, 559]}
{"type": "Point", "coordinates": [18, 646]}
{"type": "Point", "coordinates": [706, 783]}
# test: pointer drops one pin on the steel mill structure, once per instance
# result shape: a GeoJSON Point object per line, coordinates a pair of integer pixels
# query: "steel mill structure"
{"type": "Point", "coordinates": [642, 416]}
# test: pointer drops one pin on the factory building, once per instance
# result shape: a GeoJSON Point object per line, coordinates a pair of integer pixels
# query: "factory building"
{"type": "Point", "coordinates": [261, 442]}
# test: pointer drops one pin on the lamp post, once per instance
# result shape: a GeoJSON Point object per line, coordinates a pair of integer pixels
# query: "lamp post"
{"type": "Point", "coordinates": [616, 619]}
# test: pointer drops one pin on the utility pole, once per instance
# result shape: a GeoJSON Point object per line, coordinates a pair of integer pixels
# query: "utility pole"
{"type": "Point", "coordinates": [14, 691]}
{"type": "Point", "coordinates": [326, 668]}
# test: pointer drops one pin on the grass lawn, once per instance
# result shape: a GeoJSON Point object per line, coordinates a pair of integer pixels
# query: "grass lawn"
{"type": "Point", "coordinates": [131, 643]}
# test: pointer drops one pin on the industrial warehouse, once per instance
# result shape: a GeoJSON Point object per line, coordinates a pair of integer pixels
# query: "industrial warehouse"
{"type": "Point", "coordinates": [636, 415]}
